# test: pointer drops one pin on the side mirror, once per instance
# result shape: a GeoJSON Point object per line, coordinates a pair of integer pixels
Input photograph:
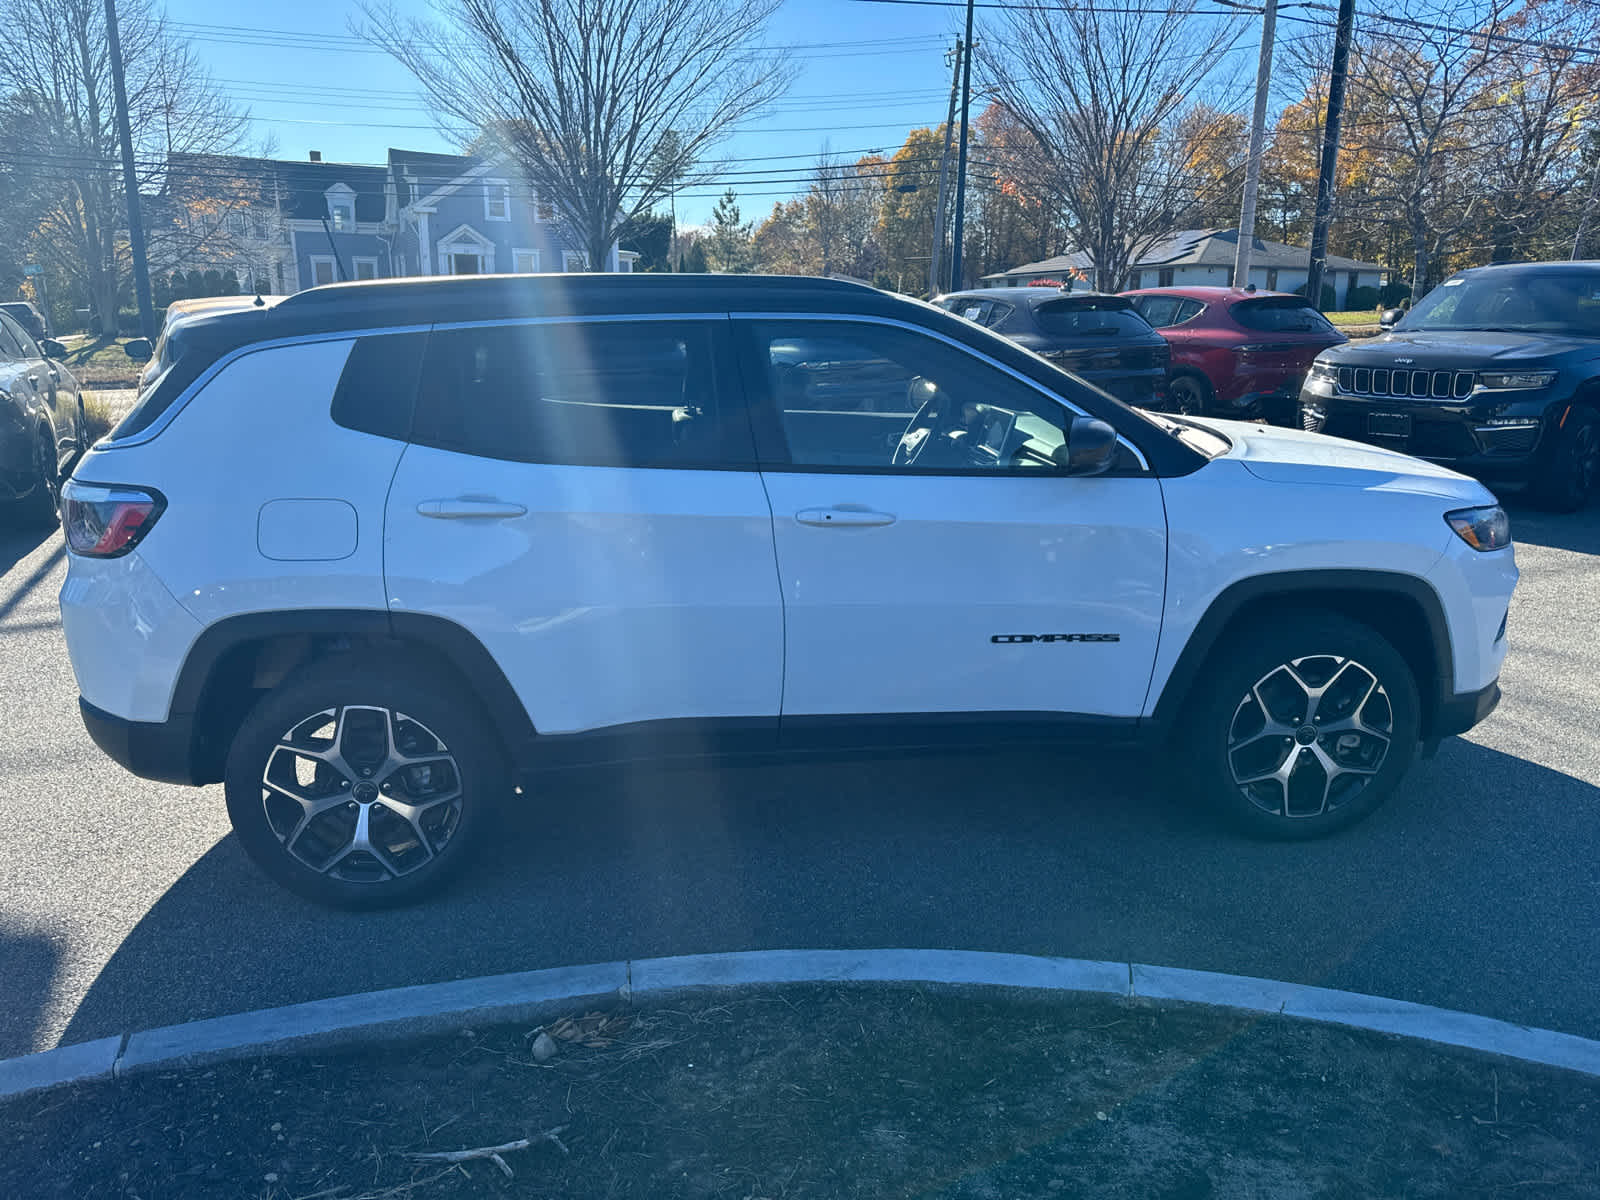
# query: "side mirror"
{"type": "Point", "coordinates": [138, 349]}
{"type": "Point", "coordinates": [1390, 317]}
{"type": "Point", "coordinates": [1091, 447]}
{"type": "Point", "coordinates": [52, 348]}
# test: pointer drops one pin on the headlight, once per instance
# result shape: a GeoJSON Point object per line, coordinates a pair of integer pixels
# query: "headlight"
{"type": "Point", "coordinates": [1515, 381]}
{"type": "Point", "coordinates": [1323, 371]}
{"type": "Point", "coordinates": [1485, 529]}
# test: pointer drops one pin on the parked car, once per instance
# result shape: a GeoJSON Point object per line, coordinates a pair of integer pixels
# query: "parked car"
{"type": "Point", "coordinates": [26, 315]}
{"type": "Point", "coordinates": [1495, 372]}
{"type": "Point", "coordinates": [370, 555]}
{"type": "Point", "coordinates": [1098, 337]}
{"type": "Point", "coordinates": [41, 422]}
{"type": "Point", "coordinates": [158, 357]}
{"type": "Point", "coordinates": [1236, 353]}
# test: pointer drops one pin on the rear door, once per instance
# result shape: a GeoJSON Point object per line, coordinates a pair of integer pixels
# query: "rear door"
{"type": "Point", "coordinates": [581, 496]}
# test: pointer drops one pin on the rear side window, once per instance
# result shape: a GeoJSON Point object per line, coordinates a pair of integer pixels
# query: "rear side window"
{"type": "Point", "coordinates": [1280, 315]}
{"type": "Point", "coordinates": [1160, 311]}
{"type": "Point", "coordinates": [1101, 316]}
{"type": "Point", "coordinates": [378, 390]}
{"type": "Point", "coordinates": [583, 393]}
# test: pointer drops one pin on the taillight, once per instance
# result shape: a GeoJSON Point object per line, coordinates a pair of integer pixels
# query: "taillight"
{"type": "Point", "coordinates": [107, 520]}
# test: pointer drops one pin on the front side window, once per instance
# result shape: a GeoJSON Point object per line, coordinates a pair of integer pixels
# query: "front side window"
{"type": "Point", "coordinates": [23, 341]}
{"type": "Point", "coordinates": [10, 345]}
{"type": "Point", "coordinates": [862, 396]}
{"type": "Point", "coordinates": [581, 393]}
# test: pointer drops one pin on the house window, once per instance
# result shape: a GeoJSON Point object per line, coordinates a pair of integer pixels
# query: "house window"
{"type": "Point", "coordinates": [525, 262]}
{"type": "Point", "coordinates": [625, 263]}
{"type": "Point", "coordinates": [365, 268]}
{"type": "Point", "coordinates": [496, 200]}
{"type": "Point", "coordinates": [1135, 281]}
{"type": "Point", "coordinates": [342, 214]}
{"type": "Point", "coordinates": [544, 211]}
{"type": "Point", "coordinates": [1272, 279]}
{"type": "Point", "coordinates": [323, 270]}
{"type": "Point", "coordinates": [574, 260]}
{"type": "Point", "coordinates": [1164, 277]}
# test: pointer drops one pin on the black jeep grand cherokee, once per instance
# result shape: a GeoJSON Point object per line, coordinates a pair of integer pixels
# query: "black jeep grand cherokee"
{"type": "Point", "coordinates": [1496, 373]}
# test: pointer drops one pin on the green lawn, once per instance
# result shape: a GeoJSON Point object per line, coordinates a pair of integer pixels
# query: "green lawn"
{"type": "Point", "coordinates": [100, 362]}
{"type": "Point", "coordinates": [1345, 320]}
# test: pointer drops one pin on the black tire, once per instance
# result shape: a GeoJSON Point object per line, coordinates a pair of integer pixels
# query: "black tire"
{"type": "Point", "coordinates": [42, 505]}
{"type": "Point", "coordinates": [1571, 469]}
{"type": "Point", "coordinates": [1188, 394]}
{"type": "Point", "coordinates": [424, 716]}
{"type": "Point", "coordinates": [1220, 735]}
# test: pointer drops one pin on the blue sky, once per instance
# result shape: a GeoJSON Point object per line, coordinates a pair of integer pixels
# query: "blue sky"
{"type": "Point", "coordinates": [310, 86]}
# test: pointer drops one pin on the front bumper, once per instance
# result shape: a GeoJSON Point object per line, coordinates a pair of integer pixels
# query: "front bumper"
{"type": "Point", "coordinates": [1491, 438]}
{"type": "Point", "coordinates": [159, 750]}
{"type": "Point", "coordinates": [1459, 713]}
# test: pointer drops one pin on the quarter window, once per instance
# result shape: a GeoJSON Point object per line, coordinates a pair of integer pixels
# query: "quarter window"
{"type": "Point", "coordinates": [596, 394]}
{"type": "Point", "coordinates": [877, 397]}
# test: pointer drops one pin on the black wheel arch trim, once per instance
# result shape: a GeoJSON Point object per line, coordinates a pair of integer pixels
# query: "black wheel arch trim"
{"type": "Point", "coordinates": [1305, 588]}
{"type": "Point", "coordinates": [437, 635]}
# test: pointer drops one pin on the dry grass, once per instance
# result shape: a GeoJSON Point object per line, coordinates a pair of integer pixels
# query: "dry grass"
{"type": "Point", "coordinates": [99, 417]}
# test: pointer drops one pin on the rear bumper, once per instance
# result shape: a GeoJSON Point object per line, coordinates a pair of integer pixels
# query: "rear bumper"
{"type": "Point", "coordinates": [1459, 713]}
{"type": "Point", "coordinates": [159, 750]}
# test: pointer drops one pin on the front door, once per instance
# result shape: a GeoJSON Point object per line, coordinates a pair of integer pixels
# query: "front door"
{"type": "Point", "coordinates": [933, 556]}
{"type": "Point", "coordinates": [582, 497]}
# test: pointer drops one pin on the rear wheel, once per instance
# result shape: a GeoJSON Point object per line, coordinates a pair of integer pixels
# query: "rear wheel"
{"type": "Point", "coordinates": [1188, 394]}
{"type": "Point", "coordinates": [1568, 479]}
{"type": "Point", "coordinates": [1303, 725]}
{"type": "Point", "coordinates": [363, 784]}
{"type": "Point", "coordinates": [42, 505]}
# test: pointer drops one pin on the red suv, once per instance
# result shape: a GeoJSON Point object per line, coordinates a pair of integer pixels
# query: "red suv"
{"type": "Point", "coordinates": [1236, 353]}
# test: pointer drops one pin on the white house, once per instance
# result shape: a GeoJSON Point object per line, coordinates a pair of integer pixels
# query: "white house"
{"type": "Point", "coordinates": [1204, 257]}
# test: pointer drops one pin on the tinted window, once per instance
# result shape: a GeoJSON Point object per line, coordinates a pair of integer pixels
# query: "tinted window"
{"type": "Point", "coordinates": [1523, 302]}
{"type": "Point", "coordinates": [1099, 316]}
{"type": "Point", "coordinates": [1160, 311]}
{"type": "Point", "coordinates": [856, 405]}
{"type": "Point", "coordinates": [378, 388]}
{"type": "Point", "coordinates": [602, 394]}
{"type": "Point", "coordinates": [1274, 314]}
{"type": "Point", "coordinates": [10, 346]}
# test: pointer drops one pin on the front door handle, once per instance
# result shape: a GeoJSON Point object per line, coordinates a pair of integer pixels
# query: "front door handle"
{"type": "Point", "coordinates": [851, 515]}
{"type": "Point", "coordinates": [465, 507]}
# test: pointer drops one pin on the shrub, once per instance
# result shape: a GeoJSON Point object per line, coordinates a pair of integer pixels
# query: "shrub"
{"type": "Point", "coordinates": [1390, 294]}
{"type": "Point", "coordinates": [1358, 298]}
{"type": "Point", "coordinates": [1327, 303]}
{"type": "Point", "coordinates": [128, 320]}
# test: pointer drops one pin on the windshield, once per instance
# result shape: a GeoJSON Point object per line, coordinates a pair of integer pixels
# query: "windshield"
{"type": "Point", "coordinates": [1091, 316]}
{"type": "Point", "coordinates": [1559, 302]}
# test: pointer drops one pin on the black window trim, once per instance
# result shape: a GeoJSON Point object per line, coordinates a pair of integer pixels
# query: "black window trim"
{"type": "Point", "coordinates": [772, 447]}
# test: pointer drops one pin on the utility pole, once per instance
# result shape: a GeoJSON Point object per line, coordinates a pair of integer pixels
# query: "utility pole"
{"type": "Point", "coordinates": [1588, 208]}
{"type": "Point", "coordinates": [130, 182]}
{"type": "Point", "coordinates": [934, 279]}
{"type": "Point", "coordinates": [961, 163]}
{"type": "Point", "coordinates": [1330, 154]}
{"type": "Point", "coordinates": [1258, 137]}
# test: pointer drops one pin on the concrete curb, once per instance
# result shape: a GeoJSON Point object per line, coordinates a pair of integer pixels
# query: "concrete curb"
{"type": "Point", "coordinates": [533, 995]}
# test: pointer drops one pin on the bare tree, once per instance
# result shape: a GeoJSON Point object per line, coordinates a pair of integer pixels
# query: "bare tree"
{"type": "Point", "coordinates": [606, 104]}
{"type": "Point", "coordinates": [1099, 88]}
{"type": "Point", "coordinates": [841, 209]}
{"type": "Point", "coordinates": [55, 78]}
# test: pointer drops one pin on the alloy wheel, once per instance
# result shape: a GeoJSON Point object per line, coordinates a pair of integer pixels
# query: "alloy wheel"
{"type": "Point", "coordinates": [1184, 396]}
{"type": "Point", "coordinates": [362, 794]}
{"type": "Point", "coordinates": [1310, 736]}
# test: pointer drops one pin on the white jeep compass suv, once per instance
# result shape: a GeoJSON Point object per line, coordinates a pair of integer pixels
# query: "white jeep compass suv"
{"type": "Point", "coordinates": [372, 555]}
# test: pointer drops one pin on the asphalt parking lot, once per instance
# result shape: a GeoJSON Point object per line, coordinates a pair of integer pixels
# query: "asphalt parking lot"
{"type": "Point", "coordinates": [126, 904]}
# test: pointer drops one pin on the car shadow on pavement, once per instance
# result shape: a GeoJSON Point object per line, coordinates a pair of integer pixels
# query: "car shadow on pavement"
{"type": "Point", "coordinates": [1472, 889]}
{"type": "Point", "coordinates": [16, 545]}
{"type": "Point", "coordinates": [28, 964]}
{"type": "Point", "coordinates": [1578, 532]}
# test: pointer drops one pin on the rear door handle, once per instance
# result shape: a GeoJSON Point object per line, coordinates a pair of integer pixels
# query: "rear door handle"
{"type": "Point", "coordinates": [843, 515]}
{"type": "Point", "coordinates": [463, 507]}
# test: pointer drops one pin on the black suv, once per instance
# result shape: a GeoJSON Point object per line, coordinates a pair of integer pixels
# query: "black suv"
{"type": "Point", "coordinates": [1100, 338]}
{"type": "Point", "coordinates": [1496, 373]}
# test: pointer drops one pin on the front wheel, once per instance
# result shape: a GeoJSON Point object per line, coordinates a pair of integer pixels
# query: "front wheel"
{"type": "Point", "coordinates": [1189, 395]}
{"type": "Point", "coordinates": [1301, 726]}
{"type": "Point", "coordinates": [42, 505]}
{"type": "Point", "coordinates": [1568, 479]}
{"type": "Point", "coordinates": [363, 784]}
